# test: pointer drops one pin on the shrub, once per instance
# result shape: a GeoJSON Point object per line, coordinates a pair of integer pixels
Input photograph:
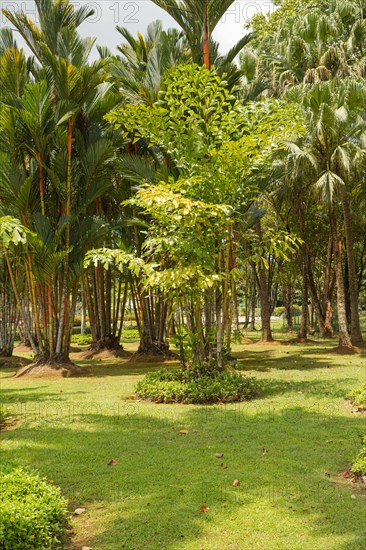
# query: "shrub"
{"type": "Point", "coordinates": [358, 396]}
{"type": "Point", "coordinates": [81, 339]}
{"type": "Point", "coordinates": [130, 334]}
{"type": "Point", "coordinates": [359, 465]}
{"type": "Point", "coordinates": [32, 512]}
{"type": "Point", "coordinates": [199, 384]}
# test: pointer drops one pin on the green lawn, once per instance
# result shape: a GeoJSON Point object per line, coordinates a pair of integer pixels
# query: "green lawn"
{"type": "Point", "coordinates": [288, 449]}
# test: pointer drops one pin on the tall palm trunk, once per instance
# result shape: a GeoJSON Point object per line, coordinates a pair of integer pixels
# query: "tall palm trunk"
{"type": "Point", "coordinates": [344, 339]}
{"type": "Point", "coordinates": [356, 335]}
{"type": "Point", "coordinates": [206, 38]}
{"type": "Point", "coordinates": [64, 306]}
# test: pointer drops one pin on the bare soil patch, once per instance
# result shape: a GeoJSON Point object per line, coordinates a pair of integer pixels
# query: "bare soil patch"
{"type": "Point", "coordinates": [22, 348]}
{"type": "Point", "coordinates": [101, 354]}
{"type": "Point", "coordinates": [51, 370]}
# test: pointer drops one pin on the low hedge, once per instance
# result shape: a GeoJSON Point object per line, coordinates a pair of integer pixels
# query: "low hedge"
{"type": "Point", "coordinates": [359, 465]}
{"type": "Point", "coordinates": [197, 385]}
{"type": "Point", "coordinates": [32, 512]}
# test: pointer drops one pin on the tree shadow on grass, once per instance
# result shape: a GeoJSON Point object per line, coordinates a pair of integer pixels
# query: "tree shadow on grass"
{"type": "Point", "coordinates": [24, 395]}
{"type": "Point", "coordinates": [323, 389]}
{"type": "Point", "coordinates": [117, 367]}
{"type": "Point", "coordinates": [151, 498]}
{"type": "Point", "coordinates": [266, 360]}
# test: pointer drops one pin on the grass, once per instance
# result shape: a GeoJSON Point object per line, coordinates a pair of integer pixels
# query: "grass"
{"type": "Point", "coordinates": [288, 449]}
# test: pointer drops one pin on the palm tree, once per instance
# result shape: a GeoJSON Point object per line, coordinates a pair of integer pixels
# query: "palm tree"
{"type": "Point", "coordinates": [334, 138]}
{"type": "Point", "coordinates": [139, 71]}
{"type": "Point", "coordinates": [305, 50]}
{"type": "Point", "coordinates": [198, 19]}
{"type": "Point", "coordinates": [63, 165]}
{"type": "Point", "coordinates": [328, 42]}
{"type": "Point", "coordinates": [56, 19]}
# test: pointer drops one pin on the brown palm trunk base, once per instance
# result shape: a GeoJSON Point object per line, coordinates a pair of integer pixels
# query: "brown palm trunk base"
{"type": "Point", "coordinates": [59, 366]}
{"type": "Point", "coordinates": [6, 352]}
{"type": "Point", "coordinates": [111, 343]}
{"type": "Point", "coordinates": [153, 352]}
{"type": "Point", "coordinates": [108, 348]}
{"type": "Point", "coordinates": [346, 350]}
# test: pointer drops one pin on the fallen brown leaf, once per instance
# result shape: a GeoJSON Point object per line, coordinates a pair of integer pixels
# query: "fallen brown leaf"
{"type": "Point", "coordinates": [236, 483]}
{"type": "Point", "coordinates": [219, 455]}
{"type": "Point", "coordinates": [113, 462]}
{"type": "Point", "coordinates": [184, 432]}
{"type": "Point", "coordinates": [223, 466]}
{"type": "Point", "coordinates": [204, 508]}
{"type": "Point", "coordinates": [346, 474]}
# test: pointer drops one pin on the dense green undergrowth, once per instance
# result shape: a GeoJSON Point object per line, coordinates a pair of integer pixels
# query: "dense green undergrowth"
{"type": "Point", "coordinates": [32, 512]}
{"type": "Point", "coordinates": [358, 397]}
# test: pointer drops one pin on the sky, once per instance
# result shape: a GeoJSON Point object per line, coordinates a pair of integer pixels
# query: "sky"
{"type": "Point", "coordinates": [137, 14]}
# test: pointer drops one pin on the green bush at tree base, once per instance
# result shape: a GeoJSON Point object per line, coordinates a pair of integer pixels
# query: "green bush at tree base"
{"type": "Point", "coordinates": [198, 384]}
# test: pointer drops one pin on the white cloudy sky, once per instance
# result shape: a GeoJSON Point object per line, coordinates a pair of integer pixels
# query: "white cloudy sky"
{"type": "Point", "coordinates": [137, 14]}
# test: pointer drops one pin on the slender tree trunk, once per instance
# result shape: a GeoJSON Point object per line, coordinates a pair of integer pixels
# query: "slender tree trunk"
{"type": "Point", "coordinates": [9, 314]}
{"type": "Point", "coordinates": [253, 304]}
{"type": "Point", "coordinates": [356, 335]}
{"type": "Point", "coordinates": [63, 320]}
{"type": "Point", "coordinates": [83, 309]}
{"type": "Point", "coordinates": [264, 295]}
{"type": "Point", "coordinates": [235, 307]}
{"type": "Point", "coordinates": [287, 296]}
{"type": "Point", "coordinates": [122, 311]}
{"type": "Point", "coordinates": [344, 339]}
{"type": "Point", "coordinates": [219, 330]}
{"type": "Point", "coordinates": [305, 298]}
{"type": "Point", "coordinates": [27, 328]}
